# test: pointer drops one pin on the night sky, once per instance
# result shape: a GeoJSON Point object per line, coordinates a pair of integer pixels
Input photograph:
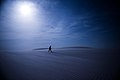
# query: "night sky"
{"type": "Point", "coordinates": [60, 23]}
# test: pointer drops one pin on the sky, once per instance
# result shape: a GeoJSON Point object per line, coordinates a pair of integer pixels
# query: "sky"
{"type": "Point", "coordinates": [29, 24]}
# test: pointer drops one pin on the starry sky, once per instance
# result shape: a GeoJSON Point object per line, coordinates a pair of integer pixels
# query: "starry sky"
{"type": "Point", "coordinates": [60, 23]}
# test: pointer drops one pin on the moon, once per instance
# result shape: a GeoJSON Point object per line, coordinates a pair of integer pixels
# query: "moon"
{"type": "Point", "coordinates": [26, 9]}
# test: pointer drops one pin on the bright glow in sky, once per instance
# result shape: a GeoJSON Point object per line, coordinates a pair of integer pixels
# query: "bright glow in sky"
{"type": "Point", "coordinates": [26, 9]}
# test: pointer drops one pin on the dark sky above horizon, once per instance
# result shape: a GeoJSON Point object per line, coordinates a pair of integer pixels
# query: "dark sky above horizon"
{"type": "Point", "coordinates": [60, 23]}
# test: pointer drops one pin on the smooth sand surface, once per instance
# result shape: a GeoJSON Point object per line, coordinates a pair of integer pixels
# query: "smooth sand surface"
{"type": "Point", "coordinates": [62, 64]}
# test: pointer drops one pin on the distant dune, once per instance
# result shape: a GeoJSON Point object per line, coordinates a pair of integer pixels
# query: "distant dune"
{"type": "Point", "coordinates": [40, 48]}
{"type": "Point", "coordinates": [75, 47]}
{"type": "Point", "coordinates": [78, 47]}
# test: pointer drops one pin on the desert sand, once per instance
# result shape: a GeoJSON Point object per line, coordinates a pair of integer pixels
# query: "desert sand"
{"type": "Point", "coordinates": [62, 64]}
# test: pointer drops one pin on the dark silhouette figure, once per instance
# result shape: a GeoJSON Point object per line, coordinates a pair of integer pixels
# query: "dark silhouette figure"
{"type": "Point", "coordinates": [50, 49]}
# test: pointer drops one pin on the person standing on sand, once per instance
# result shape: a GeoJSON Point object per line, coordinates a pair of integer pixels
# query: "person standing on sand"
{"type": "Point", "coordinates": [50, 49]}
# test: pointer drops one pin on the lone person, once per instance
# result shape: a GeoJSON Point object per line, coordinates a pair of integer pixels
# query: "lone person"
{"type": "Point", "coordinates": [49, 49]}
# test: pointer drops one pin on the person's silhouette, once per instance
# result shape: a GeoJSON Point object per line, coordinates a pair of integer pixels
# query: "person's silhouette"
{"type": "Point", "coordinates": [50, 49]}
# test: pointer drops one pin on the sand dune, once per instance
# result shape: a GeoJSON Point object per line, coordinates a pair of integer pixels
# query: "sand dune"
{"type": "Point", "coordinates": [62, 64]}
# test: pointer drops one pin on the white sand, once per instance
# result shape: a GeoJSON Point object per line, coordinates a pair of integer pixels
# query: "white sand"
{"type": "Point", "coordinates": [62, 64]}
